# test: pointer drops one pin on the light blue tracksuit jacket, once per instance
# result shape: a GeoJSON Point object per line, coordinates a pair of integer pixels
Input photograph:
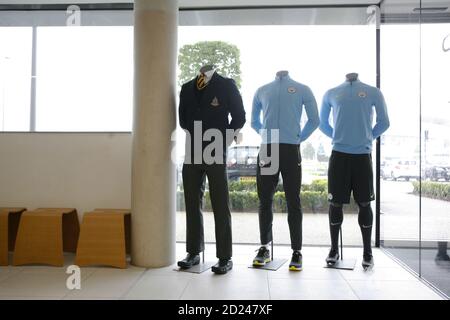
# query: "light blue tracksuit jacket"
{"type": "Point", "coordinates": [281, 103]}
{"type": "Point", "coordinates": [352, 103]}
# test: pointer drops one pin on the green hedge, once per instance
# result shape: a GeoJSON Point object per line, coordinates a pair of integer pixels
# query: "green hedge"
{"type": "Point", "coordinates": [435, 190]}
{"type": "Point", "coordinates": [316, 185]}
{"type": "Point", "coordinates": [244, 198]}
{"type": "Point", "coordinates": [242, 186]}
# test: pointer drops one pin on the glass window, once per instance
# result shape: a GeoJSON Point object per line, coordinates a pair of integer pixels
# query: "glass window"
{"type": "Point", "coordinates": [84, 74]}
{"type": "Point", "coordinates": [15, 78]}
{"type": "Point", "coordinates": [318, 47]}
{"type": "Point", "coordinates": [84, 78]}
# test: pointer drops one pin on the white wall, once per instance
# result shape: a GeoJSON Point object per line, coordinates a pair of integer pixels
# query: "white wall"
{"type": "Point", "coordinates": [81, 170]}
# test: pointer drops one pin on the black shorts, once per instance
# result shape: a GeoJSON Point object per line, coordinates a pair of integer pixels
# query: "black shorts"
{"type": "Point", "coordinates": [347, 173]}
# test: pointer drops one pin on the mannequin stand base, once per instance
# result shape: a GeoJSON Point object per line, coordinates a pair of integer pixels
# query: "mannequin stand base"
{"type": "Point", "coordinates": [199, 268]}
{"type": "Point", "coordinates": [343, 264]}
{"type": "Point", "coordinates": [346, 264]}
{"type": "Point", "coordinates": [273, 265]}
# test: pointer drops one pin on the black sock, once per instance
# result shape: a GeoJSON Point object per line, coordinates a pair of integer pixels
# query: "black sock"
{"type": "Point", "coordinates": [367, 235]}
{"type": "Point", "coordinates": [336, 215]}
{"type": "Point", "coordinates": [365, 220]}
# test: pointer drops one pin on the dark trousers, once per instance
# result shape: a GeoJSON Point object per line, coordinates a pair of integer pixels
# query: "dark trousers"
{"type": "Point", "coordinates": [193, 183]}
{"type": "Point", "coordinates": [291, 172]}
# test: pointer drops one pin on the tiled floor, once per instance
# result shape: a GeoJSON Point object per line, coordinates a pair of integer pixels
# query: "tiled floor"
{"type": "Point", "coordinates": [388, 280]}
{"type": "Point", "coordinates": [435, 271]}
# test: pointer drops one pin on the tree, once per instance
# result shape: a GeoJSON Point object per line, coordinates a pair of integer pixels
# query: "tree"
{"type": "Point", "coordinates": [308, 151]}
{"type": "Point", "coordinates": [224, 56]}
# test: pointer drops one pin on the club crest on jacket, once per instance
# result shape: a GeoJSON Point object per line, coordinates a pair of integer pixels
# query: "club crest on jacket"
{"type": "Point", "coordinates": [215, 102]}
{"type": "Point", "coordinates": [291, 90]}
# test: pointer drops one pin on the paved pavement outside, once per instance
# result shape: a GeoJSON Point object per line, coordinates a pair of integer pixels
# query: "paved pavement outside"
{"type": "Point", "coordinates": [400, 218]}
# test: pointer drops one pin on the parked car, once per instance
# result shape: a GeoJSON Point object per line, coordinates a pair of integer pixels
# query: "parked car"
{"type": "Point", "coordinates": [437, 172]}
{"type": "Point", "coordinates": [401, 169]}
{"type": "Point", "coordinates": [242, 162]}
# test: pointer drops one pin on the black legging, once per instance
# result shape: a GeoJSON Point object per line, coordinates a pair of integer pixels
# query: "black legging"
{"type": "Point", "coordinates": [291, 171]}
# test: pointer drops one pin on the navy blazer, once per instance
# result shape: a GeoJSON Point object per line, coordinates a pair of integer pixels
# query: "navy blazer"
{"type": "Point", "coordinates": [219, 99]}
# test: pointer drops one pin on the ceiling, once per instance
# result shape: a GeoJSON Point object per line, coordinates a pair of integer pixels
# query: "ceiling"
{"type": "Point", "coordinates": [407, 6]}
{"type": "Point", "coordinates": [391, 6]}
{"type": "Point", "coordinates": [208, 3]}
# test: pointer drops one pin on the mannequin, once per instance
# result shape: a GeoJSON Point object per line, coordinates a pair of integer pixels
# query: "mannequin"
{"type": "Point", "coordinates": [210, 105]}
{"type": "Point", "coordinates": [351, 77]}
{"type": "Point", "coordinates": [350, 167]}
{"type": "Point", "coordinates": [282, 73]}
{"type": "Point", "coordinates": [208, 70]}
{"type": "Point", "coordinates": [281, 133]}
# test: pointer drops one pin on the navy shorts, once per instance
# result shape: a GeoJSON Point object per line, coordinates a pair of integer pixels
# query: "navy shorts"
{"type": "Point", "coordinates": [349, 173]}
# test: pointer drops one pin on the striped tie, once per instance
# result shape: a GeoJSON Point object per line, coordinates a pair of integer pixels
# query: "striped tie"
{"type": "Point", "coordinates": [201, 81]}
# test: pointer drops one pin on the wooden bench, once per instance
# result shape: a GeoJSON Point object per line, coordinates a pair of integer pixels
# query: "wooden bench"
{"type": "Point", "coordinates": [104, 238]}
{"type": "Point", "coordinates": [44, 234]}
{"type": "Point", "coordinates": [9, 223]}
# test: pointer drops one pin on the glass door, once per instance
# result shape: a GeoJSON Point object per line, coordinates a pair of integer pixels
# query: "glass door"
{"type": "Point", "coordinates": [416, 150]}
{"type": "Point", "coordinates": [400, 145]}
{"type": "Point", "coordinates": [435, 135]}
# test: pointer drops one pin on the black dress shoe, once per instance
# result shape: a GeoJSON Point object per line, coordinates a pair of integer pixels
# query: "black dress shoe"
{"type": "Point", "coordinates": [223, 266]}
{"type": "Point", "coordinates": [189, 261]}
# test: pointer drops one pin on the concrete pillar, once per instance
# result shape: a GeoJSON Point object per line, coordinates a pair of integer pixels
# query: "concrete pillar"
{"type": "Point", "coordinates": [153, 173]}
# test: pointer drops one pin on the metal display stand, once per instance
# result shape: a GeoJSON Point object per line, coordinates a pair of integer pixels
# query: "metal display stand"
{"type": "Point", "coordinates": [273, 265]}
{"type": "Point", "coordinates": [347, 264]}
{"type": "Point", "coordinates": [199, 268]}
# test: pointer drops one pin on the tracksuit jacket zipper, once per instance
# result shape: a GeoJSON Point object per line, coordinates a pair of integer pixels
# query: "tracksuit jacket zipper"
{"type": "Point", "coordinates": [279, 106]}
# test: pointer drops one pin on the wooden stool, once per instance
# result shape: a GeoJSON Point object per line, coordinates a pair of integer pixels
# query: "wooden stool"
{"type": "Point", "coordinates": [9, 223]}
{"type": "Point", "coordinates": [127, 219]}
{"type": "Point", "coordinates": [44, 234]}
{"type": "Point", "coordinates": [104, 238]}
